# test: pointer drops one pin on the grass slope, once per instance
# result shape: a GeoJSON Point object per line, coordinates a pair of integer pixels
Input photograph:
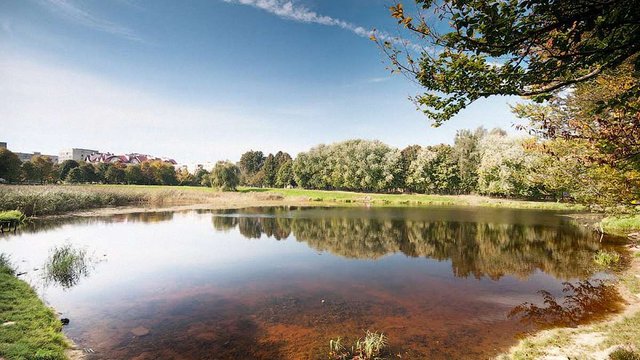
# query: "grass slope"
{"type": "Point", "coordinates": [28, 328]}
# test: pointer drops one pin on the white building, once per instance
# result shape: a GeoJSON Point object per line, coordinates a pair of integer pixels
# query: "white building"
{"type": "Point", "coordinates": [75, 154]}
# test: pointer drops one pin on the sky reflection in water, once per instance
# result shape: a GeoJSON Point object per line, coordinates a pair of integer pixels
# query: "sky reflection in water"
{"type": "Point", "coordinates": [250, 283]}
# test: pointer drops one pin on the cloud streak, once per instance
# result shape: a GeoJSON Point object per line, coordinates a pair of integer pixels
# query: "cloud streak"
{"type": "Point", "coordinates": [70, 11]}
{"type": "Point", "coordinates": [286, 9]}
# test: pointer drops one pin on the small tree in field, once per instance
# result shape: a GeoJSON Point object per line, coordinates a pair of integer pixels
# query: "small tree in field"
{"type": "Point", "coordinates": [225, 176]}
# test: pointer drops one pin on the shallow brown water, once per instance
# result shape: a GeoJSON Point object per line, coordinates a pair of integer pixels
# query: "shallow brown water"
{"type": "Point", "coordinates": [279, 283]}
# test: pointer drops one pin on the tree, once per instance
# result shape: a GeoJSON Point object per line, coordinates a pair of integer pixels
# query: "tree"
{"type": "Point", "coordinates": [467, 155]}
{"type": "Point", "coordinates": [285, 177]}
{"type": "Point", "coordinates": [250, 164]}
{"type": "Point", "coordinates": [358, 165]}
{"type": "Point", "coordinates": [65, 167]}
{"type": "Point", "coordinates": [506, 168]}
{"type": "Point", "coordinates": [89, 172]}
{"type": "Point", "coordinates": [513, 47]}
{"type": "Point", "coordinates": [407, 156]}
{"type": "Point", "coordinates": [269, 171]}
{"type": "Point", "coordinates": [9, 166]}
{"type": "Point", "coordinates": [133, 175]}
{"type": "Point", "coordinates": [115, 174]}
{"type": "Point", "coordinates": [42, 168]}
{"type": "Point", "coordinates": [225, 176]}
{"type": "Point", "coordinates": [201, 177]}
{"type": "Point", "coordinates": [76, 176]}
{"type": "Point", "coordinates": [185, 178]}
{"type": "Point", "coordinates": [434, 170]}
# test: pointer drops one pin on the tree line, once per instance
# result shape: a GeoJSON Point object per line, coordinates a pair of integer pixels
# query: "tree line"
{"type": "Point", "coordinates": [41, 170]}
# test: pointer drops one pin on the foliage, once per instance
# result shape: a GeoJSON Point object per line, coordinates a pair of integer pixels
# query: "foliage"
{"type": "Point", "coordinates": [349, 165]}
{"type": "Point", "coordinates": [225, 176]}
{"type": "Point", "coordinates": [434, 171]}
{"type": "Point", "coordinates": [65, 167]}
{"type": "Point", "coordinates": [594, 154]}
{"type": "Point", "coordinates": [474, 49]}
{"type": "Point", "coordinates": [36, 332]}
{"type": "Point", "coordinates": [76, 176]}
{"type": "Point", "coordinates": [505, 168]}
{"type": "Point", "coordinates": [467, 155]}
{"type": "Point", "coordinates": [284, 177]}
{"type": "Point", "coordinates": [250, 164]}
{"type": "Point", "coordinates": [9, 166]}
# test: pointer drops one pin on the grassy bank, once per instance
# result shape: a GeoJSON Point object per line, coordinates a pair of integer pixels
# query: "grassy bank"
{"type": "Point", "coordinates": [621, 224]}
{"type": "Point", "coordinates": [60, 199]}
{"type": "Point", "coordinates": [349, 197]}
{"type": "Point", "coordinates": [28, 328]}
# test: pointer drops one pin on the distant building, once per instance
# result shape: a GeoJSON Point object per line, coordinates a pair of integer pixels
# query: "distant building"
{"type": "Point", "coordinates": [3, 145]}
{"type": "Point", "coordinates": [27, 156]}
{"type": "Point", "coordinates": [128, 159]}
{"type": "Point", "coordinates": [75, 154]}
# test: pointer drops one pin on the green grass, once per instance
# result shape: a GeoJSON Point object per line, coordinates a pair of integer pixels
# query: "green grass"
{"type": "Point", "coordinates": [621, 224]}
{"type": "Point", "coordinates": [12, 215]}
{"type": "Point", "coordinates": [66, 266]}
{"type": "Point", "coordinates": [349, 197]}
{"type": "Point", "coordinates": [33, 330]}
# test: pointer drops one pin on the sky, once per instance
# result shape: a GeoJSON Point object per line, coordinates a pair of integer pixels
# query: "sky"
{"type": "Point", "coordinates": [206, 80]}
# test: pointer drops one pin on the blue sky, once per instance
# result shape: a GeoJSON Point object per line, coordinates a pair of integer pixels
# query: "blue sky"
{"type": "Point", "coordinates": [207, 80]}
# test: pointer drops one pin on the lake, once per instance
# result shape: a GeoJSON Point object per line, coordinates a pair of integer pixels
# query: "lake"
{"type": "Point", "coordinates": [280, 283]}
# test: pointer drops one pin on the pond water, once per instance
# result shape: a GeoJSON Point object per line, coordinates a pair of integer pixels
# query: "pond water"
{"type": "Point", "coordinates": [279, 283]}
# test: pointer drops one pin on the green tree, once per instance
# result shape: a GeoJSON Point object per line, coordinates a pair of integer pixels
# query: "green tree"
{"type": "Point", "coordinates": [285, 177]}
{"type": "Point", "coordinates": [506, 168]}
{"type": "Point", "coordinates": [133, 175]}
{"type": "Point", "coordinates": [475, 49]}
{"type": "Point", "coordinates": [407, 156]}
{"type": "Point", "coordinates": [225, 176]}
{"type": "Point", "coordinates": [250, 164]}
{"type": "Point", "coordinates": [89, 172]}
{"type": "Point", "coordinates": [269, 171]}
{"type": "Point", "coordinates": [76, 176]}
{"type": "Point", "coordinates": [201, 177]}
{"type": "Point", "coordinates": [42, 169]}
{"type": "Point", "coordinates": [9, 166]}
{"type": "Point", "coordinates": [115, 174]}
{"type": "Point", "coordinates": [184, 177]}
{"type": "Point", "coordinates": [434, 170]}
{"type": "Point", "coordinates": [65, 167]}
{"type": "Point", "coordinates": [467, 155]}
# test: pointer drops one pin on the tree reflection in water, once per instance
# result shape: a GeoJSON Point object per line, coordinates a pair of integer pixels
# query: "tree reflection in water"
{"type": "Point", "coordinates": [580, 303]}
{"type": "Point", "coordinates": [478, 249]}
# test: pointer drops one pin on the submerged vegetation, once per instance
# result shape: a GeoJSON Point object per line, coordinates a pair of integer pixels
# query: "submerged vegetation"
{"type": "Point", "coordinates": [30, 330]}
{"type": "Point", "coordinates": [66, 266]}
{"type": "Point", "coordinates": [372, 346]}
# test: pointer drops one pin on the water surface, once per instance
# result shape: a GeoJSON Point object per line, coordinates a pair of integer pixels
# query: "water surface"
{"type": "Point", "coordinates": [279, 283]}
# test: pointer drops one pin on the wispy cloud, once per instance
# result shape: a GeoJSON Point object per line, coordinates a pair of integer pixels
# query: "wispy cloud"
{"type": "Point", "coordinates": [289, 10]}
{"type": "Point", "coordinates": [73, 12]}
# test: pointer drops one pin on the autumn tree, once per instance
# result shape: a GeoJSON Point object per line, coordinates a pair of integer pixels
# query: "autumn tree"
{"type": "Point", "coordinates": [470, 49]}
